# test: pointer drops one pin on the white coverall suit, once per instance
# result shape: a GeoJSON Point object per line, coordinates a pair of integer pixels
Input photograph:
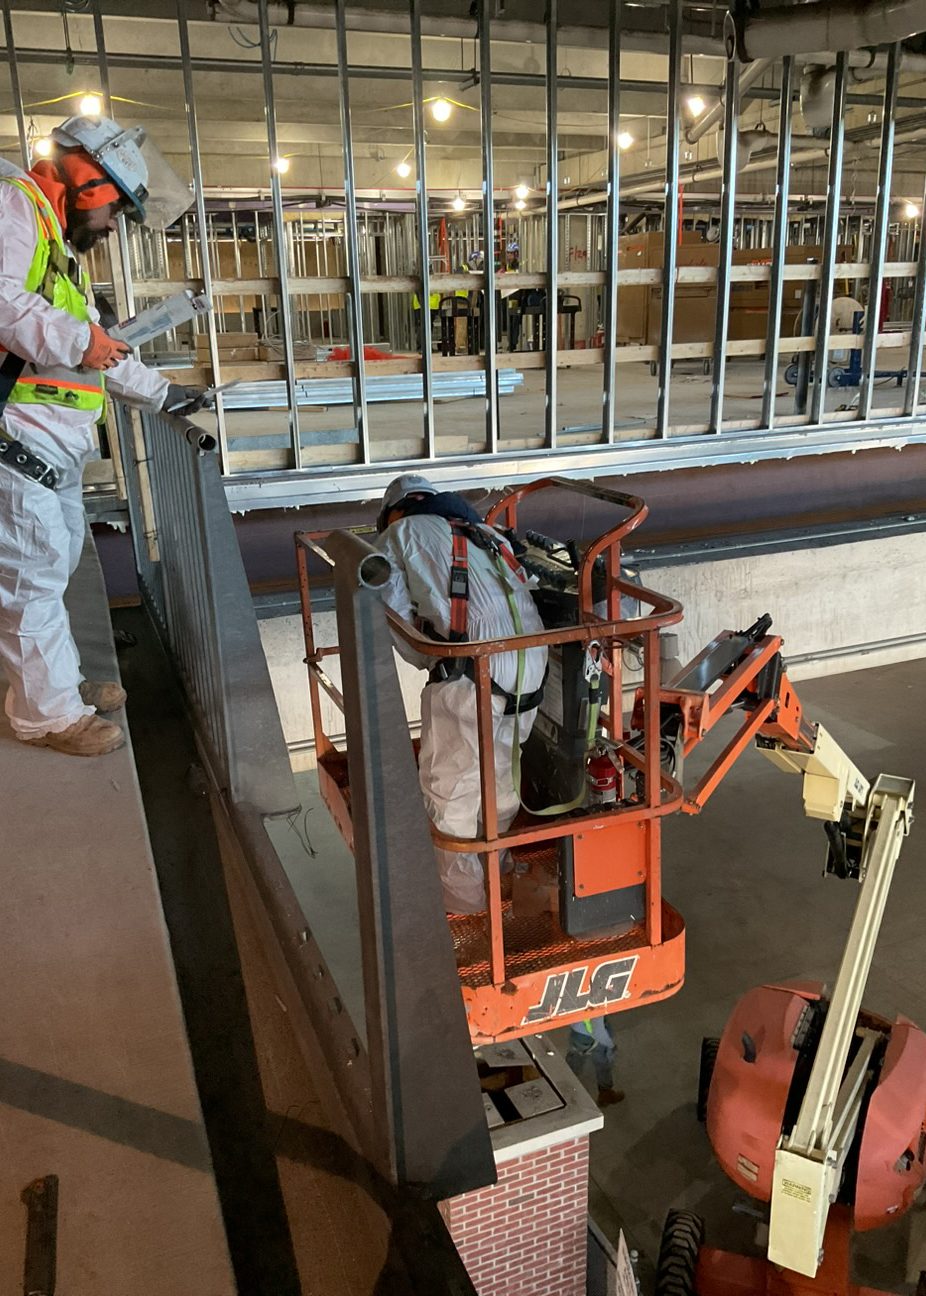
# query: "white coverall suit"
{"type": "Point", "coordinates": [42, 531]}
{"type": "Point", "coordinates": [420, 549]}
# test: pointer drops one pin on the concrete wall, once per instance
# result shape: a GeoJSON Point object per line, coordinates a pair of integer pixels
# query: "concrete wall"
{"type": "Point", "coordinates": [838, 600]}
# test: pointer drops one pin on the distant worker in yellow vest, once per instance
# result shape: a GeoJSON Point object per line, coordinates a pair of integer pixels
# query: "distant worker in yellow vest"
{"type": "Point", "coordinates": [433, 308]}
{"type": "Point", "coordinates": [54, 354]}
{"type": "Point", "coordinates": [591, 1041]}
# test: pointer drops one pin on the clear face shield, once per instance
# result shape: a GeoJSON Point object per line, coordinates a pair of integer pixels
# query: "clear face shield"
{"type": "Point", "coordinates": [168, 195]}
{"type": "Point", "coordinates": [156, 194]}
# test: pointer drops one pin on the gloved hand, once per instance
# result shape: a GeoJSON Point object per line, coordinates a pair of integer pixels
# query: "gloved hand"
{"type": "Point", "coordinates": [185, 400]}
{"type": "Point", "coordinates": [103, 351]}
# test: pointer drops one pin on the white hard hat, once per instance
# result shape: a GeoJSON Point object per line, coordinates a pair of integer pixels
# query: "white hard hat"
{"type": "Point", "coordinates": [399, 488]}
{"type": "Point", "coordinates": [157, 194]}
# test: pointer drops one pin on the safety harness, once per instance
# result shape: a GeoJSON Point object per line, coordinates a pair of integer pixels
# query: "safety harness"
{"type": "Point", "coordinates": [504, 561]}
{"type": "Point", "coordinates": [518, 702]}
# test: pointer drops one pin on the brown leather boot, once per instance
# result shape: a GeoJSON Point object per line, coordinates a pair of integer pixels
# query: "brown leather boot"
{"type": "Point", "coordinates": [104, 696]}
{"type": "Point", "coordinates": [90, 736]}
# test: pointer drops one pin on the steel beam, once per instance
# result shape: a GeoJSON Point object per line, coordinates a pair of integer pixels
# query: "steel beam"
{"type": "Point", "coordinates": [552, 303]}
{"type": "Point", "coordinates": [200, 202]}
{"type": "Point", "coordinates": [428, 1110]}
{"type": "Point", "coordinates": [612, 222]}
{"type": "Point", "coordinates": [670, 223]}
{"type": "Point", "coordinates": [13, 60]}
{"type": "Point", "coordinates": [488, 222]}
{"type": "Point", "coordinates": [424, 247]}
{"type": "Point", "coordinates": [727, 228]}
{"type": "Point", "coordinates": [879, 234]}
{"type": "Point", "coordinates": [279, 236]}
{"type": "Point", "coordinates": [779, 244]}
{"type": "Point", "coordinates": [352, 231]}
{"type": "Point", "coordinates": [830, 242]}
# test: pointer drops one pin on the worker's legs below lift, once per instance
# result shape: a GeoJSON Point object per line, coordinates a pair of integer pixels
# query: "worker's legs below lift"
{"type": "Point", "coordinates": [37, 548]}
{"type": "Point", "coordinates": [449, 773]}
{"type": "Point", "coordinates": [583, 1048]}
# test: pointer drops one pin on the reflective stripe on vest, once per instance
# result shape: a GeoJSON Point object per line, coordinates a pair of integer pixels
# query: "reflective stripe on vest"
{"type": "Point", "coordinates": [48, 276]}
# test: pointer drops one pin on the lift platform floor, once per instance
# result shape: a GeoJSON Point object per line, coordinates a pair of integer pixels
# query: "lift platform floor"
{"type": "Point", "coordinates": [96, 1082]}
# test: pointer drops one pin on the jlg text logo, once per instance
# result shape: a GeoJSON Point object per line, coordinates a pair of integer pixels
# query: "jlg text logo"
{"type": "Point", "coordinates": [566, 992]}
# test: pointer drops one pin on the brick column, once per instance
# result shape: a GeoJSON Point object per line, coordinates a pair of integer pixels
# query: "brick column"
{"type": "Point", "coordinates": [526, 1234]}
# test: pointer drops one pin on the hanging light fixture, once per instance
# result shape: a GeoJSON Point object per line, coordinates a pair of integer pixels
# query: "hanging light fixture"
{"type": "Point", "coordinates": [520, 204]}
{"type": "Point", "coordinates": [624, 140]}
{"type": "Point", "coordinates": [696, 105]}
{"type": "Point", "coordinates": [281, 164]}
{"type": "Point", "coordinates": [42, 146]}
{"type": "Point", "coordinates": [403, 170]}
{"type": "Point", "coordinates": [441, 109]}
{"type": "Point", "coordinates": [91, 105]}
{"type": "Point", "coordinates": [459, 203]}
{"type": "Point", "coordinates": [911, 211]}
{"type": "Point", "coordinates": [521, 191]}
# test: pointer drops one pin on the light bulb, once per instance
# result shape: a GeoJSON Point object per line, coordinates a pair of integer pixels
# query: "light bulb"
{"type": "Point", "coordinates": [624, 140]}
{"type": "Point", "coordinates": [42, 146]}
{"type": "Point", "coordinates": [911, 211]}
{"type": "Point", "coordinates": [696, 105]}
{"type": "Point", "coordinates": [520, 204]}
{"type": "Point", "coordinates": [91, 105]}
{"type": "Point", "coordinates": [459, 203]}
{"type": "Point", "coordinates": [281, 164]}
{"type": "Point", "coordinates": [403, 170]}
{"type": "Point", "coordinates": [441, 110]}
{"type": "Point", "coordinates": [521, 191]}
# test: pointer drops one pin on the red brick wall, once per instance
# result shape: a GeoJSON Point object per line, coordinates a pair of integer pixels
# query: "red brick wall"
{"type": "Point", "coordinates": [526, 1235]}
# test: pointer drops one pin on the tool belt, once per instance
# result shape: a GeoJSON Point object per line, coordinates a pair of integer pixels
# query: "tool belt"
{"type": "Point", "coordinates": [21, 459]}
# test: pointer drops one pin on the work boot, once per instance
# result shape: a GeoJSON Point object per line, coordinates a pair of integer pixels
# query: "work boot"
{"type": "Point", "coordinates": [104, 696]}
{"type": "Point", "coordinates": [90, 736]}
{"type": "Point", "coordinates": [608, 1097]}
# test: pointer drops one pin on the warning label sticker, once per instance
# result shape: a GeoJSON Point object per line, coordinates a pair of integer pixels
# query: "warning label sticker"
{"type": "Point", "coordinates": [802, 1192]}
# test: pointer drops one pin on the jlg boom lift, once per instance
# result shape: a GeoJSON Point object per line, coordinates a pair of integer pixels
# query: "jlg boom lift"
{"type": "Point", "coordinates": [581, 927]}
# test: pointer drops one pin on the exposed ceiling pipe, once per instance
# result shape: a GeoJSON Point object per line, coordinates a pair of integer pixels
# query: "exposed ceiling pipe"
{"type": "Point", "coordinates": [650, 184]}
{"type": "Point", "coordinates": [824, 25]}
{"type": "Point", "coordinates": [374, 20]}
{"type": "Point", "coordinates": [748, 76]}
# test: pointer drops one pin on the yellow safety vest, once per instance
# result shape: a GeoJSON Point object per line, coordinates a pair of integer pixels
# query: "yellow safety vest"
{"type": "Point", "coordinates": [49, 275]}
{"type": "Point", "coordinates": [433, 301]}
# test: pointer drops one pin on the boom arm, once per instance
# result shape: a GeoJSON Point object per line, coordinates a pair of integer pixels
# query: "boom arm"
{"type": "Point", "coordinates": [865, 826]}
{"type": "Point", "coordinates": [810, 1158]}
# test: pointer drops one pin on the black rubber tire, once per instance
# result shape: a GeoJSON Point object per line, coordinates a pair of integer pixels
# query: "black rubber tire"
{"type": "Point", "coordinates": [682, 1237]}
{"type": "Point", "coordinates": [709, 1047]}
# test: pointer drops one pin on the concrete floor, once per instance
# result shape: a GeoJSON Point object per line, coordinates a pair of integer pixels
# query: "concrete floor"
{"type": "Point", "coordinates": [747, 877]}
{"type": "Point", "coordinates": [395, 428]}
{"type": "Point", "coordinates": [96, 1080]}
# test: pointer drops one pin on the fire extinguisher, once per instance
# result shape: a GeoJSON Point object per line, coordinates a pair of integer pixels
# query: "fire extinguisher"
{"type": "Point", "coordinates": [604, 777]}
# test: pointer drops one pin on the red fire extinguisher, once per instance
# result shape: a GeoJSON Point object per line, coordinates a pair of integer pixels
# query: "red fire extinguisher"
{"type": "Point", "coordinates": [605, 778]}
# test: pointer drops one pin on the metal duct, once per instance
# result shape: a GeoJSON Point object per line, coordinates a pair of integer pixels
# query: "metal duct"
{"type": "Point", "coordinates": [841, 25]}
{"type": "Point", "coordinates": [747, 141]}
{"type": "Point", "coordinates": [748, 77]}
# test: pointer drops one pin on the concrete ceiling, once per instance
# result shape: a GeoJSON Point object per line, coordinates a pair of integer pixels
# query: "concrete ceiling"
{"type": "Point", "coordinates": [230, 104]}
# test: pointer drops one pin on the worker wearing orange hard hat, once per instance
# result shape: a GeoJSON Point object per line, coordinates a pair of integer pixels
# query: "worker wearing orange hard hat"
{"type": "Point", "coordinates": [53, 355]}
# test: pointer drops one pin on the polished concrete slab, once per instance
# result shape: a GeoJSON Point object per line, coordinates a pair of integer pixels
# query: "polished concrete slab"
{"type": "Point", "coordinates": [96, 1081]}
{"type": "Point", "coordinates": [747, 877]}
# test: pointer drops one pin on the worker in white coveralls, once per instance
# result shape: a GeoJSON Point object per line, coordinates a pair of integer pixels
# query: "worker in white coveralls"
{"type": "Point", "coordinates": [51, 396]}
{"type": "Point", "coordinates": [457, 579]}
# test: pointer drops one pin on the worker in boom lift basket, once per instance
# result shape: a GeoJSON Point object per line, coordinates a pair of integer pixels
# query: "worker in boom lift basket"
{"type": "Point", "coordinates": [51, 396]}
{"type": "Point", "coordinates": [457, 579]}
